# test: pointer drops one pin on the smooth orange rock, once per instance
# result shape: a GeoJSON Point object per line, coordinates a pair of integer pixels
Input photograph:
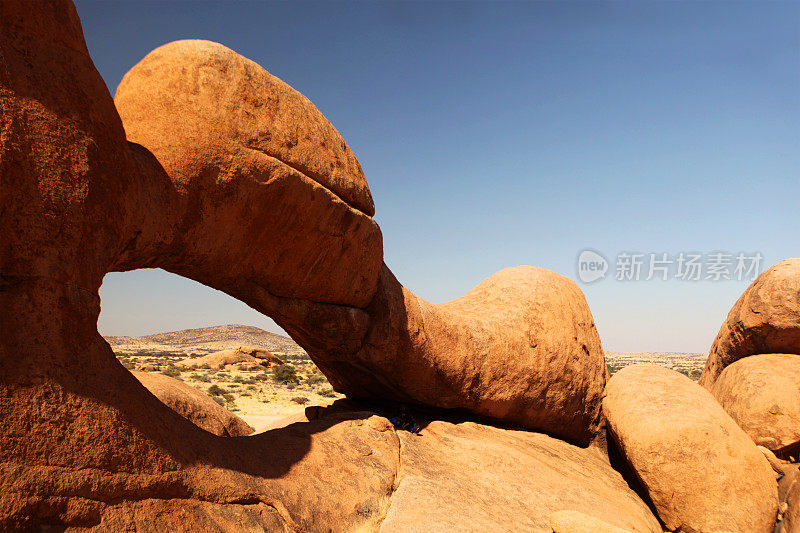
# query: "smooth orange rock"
{"type": "Point", "coordinates": [701, 471]}
{"type": "Point", "coordinates": [242, 354]}
{"type": "Point", "coordinates": [765, 319]}
{"type": "Point", "coordinates": [762, 394]}
{"type": "Point", "coordinates": [194, 405]}
{"type": "Point", "coordinates": [225, 105]}
{"type": "Point", "coordinates": [472, 477]}
{"type": "Point", "coordinates": [520, 347]}
{"type": "Point", "coordinates": [577, 522]}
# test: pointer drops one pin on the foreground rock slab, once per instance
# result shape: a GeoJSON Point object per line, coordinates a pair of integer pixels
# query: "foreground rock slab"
{"type": "Point", "coordinates": [471, 477]}
{"type": "Point", "coordinates": [194, 405]}
{"type": "Point", "coordinates": [765, 319]}
{"type": "Point", "coordinates": [701, 471]}
{"type": "Point", "coordinates": [762, 394]}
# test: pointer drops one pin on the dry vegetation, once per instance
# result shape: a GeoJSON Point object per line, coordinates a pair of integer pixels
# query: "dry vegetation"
{"type": "Point", "coordinates": [688, 364]}
{"type": "Point", "coordinates": [261, 397]}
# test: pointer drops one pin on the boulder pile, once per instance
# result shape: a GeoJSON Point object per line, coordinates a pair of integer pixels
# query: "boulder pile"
{"type": "Point", "coordinates": [243, 355]}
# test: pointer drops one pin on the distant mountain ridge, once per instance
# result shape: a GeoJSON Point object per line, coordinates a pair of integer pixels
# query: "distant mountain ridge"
{"type": "Point", "coordinates": [211, 338]}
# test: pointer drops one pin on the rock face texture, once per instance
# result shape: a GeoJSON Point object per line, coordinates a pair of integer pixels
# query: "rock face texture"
{"type": "Point", "coordinates": [241, 355]}
{"type": "Point", "coordinates": [577, 522]}
{"type": "Point", "coordinates": [789, 493]}
{"type": "Point", "coordinates": [765, 319]}
{"type": "Point", "coordinates": [84, 445]}
{"type": "Point", "coordinates": [520, 347]}
{"type": "Point", "coordinates": [791, 519]}
{"type": "Point", "coordinates": [471, 477]}
{"type": "Point", "coordinates": [701, 471]}
{"type": "Point", "coordinates": [194, 405]}
{"type": "Point", "coordinates": [762, 394]}
{"type": "Point", "coordinates": [258, 196]}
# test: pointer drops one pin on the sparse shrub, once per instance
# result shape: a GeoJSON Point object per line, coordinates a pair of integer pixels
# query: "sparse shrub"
{"type": "Point", "coordinates": [238, 379]}
{"type": "Point", "coordinates": [327, 393]}
{"type": "Point", "coordinates": [216, 390]}
{"type": "Point", "coordinates": [245, 394]}
{"type": "Point", "coordinates": [233, 386]}
{"type": "Point", "coordinates": [302, 400]}
{"type": "Point", "coordinates": [219, 400]}
{"type": "Point", "coordinates": [314, 380]}
{"type": "Point", "coordinates": [171, 371]}
{"type": "Point", "coordinates": [290, 385]}
{"type": "Point", "coordinates": [285, 374]}
{"type": "Point", "coordinates": [205, 366]}
{"type": "Point", "coordinates": [202, 378]}
{"type": "Point", "coordinates": [228, 397]}
{"type": "Point", "coordinates": [251, 387]}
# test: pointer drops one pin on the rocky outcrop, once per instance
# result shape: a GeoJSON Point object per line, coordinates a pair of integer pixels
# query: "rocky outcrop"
{"type": "Point", "coordinates": [249, 355]}
{"type": "Point", "coordinates": [762, 394]}
{"type": "Point", "coordinates": [194, 405]}
{"type": "Point", "coordinates": [472, 477]}
{"type": "Point", "coordinates": [261, 199]}
{"type": "Point", "coordinates": [765, 319]}
{"type": "Point", "coordinates": [84, 444]}
{"type": "Point", "coordinates": [521, 347]}
{"type": "Point", "coordinates": [266, 357]}
{"type": "Point", "coordinates": [577, 522]}
{"type": "Point", "coordinates": [701, 471]}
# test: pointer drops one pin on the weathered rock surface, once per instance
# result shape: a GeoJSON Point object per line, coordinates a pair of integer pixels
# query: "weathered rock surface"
{"type": "Point", "coordinates": [577, 522]}
{"type": "Point", "coordinates": [84, 445]}
{"type": "Point", "coordinates": [270, 207]}
{"type": "Point", "coordinates": [194, 405]}
{"type": "Point", "coordinates": [791, 519]}
{"type": "Point", "coordinates": [472, 477]}
{"type": "Point", "coordinates": [520, 347]}
{"type": "Point", "coordinates": [234, 356]}
{"type": "Point", "coordinates": [702, 472]}
{"type": "Point", "coordinates": [765, 319]}
{"type": "Point", "coordinates": [762, 394]}
{"type": "Point", "coordinates": [789, 493]}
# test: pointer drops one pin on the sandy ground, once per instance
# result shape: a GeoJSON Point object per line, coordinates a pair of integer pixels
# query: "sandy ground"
{"type": "Point", "coordinates": [254, 395]}
{"type": "Point", "coordinates": [264, 403]}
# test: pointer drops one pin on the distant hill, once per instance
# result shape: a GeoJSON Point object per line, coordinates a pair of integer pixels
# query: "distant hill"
{"type": "Point", "coordinates": [208, 339]}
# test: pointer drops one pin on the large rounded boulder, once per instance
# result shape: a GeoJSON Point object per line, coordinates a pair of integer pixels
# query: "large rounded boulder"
{"type": "Point", "coordinates": [194, 405]}
{"type": "Point", "coordinates": [762, 394]}
{"type": "Point", "coordinates": [521, 347]}
{"type": "Point", "coordinates": [765, 319]}
{"type": "Point", "coordinates": [699, 468]}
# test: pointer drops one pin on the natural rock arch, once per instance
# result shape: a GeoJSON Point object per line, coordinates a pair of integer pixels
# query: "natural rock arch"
{"type": "Point", "coordinates": [83, 440]}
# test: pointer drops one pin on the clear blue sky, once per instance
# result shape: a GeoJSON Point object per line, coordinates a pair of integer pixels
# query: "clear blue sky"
{"type": "Point", "coordinates": [499, 134]}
